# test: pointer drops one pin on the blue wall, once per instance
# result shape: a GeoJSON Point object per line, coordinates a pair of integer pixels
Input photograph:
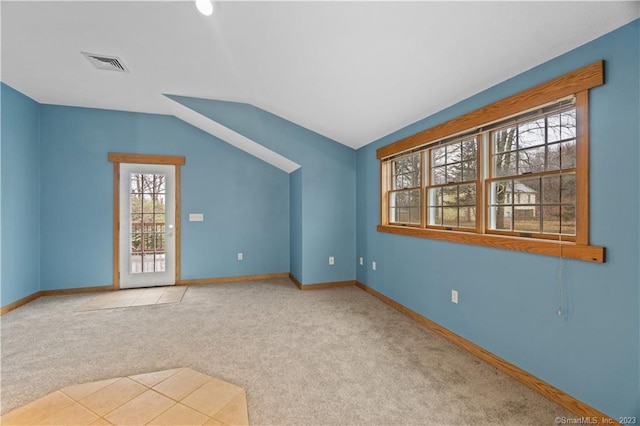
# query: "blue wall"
{"type": "Point", "coordinates": [509, 300]}
{"type": "Point", "coordinates": [295, 215]}
{"type": "Point", "coordinates": [328, 182]}
{"type": "Point", "coordinates": [244, 200]}
{"type": "Point", "coordinates": [20, 264]}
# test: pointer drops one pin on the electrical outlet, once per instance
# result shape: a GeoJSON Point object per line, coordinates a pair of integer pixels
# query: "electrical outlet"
{"type": "Point", "coordinates": [361, 261]}
{"type": "Point", "coordinates": [373, 265]}
{"type": "Point", "coordinates": [332, 260]}
{"type": "Point", "coordinates": [454, 296]}
{"type": "Point", "coordinates": [240, 256]}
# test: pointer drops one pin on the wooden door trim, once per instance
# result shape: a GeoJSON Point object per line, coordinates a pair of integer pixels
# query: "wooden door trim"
{"type": "Point", "coordinates": [117, 158]}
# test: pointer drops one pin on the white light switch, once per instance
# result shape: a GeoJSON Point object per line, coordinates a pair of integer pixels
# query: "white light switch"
{"type": "Point", "coordinates": [361, 260]}
{"type": "Point", "coordinates": [196, 217]}
{"type": "Point", "coordinates": [454, 296]}
{"type": "Point", "coordinates": [373, 265]}
{"type": "Point", "coordinates": [240, 256]}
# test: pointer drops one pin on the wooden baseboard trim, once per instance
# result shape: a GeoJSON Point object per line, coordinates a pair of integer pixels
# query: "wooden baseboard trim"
{"type": "Point", "coordinates": [77, 290]}
{"type": "Point", "coordinates": [551, 392]}
{"type": "Point", "coordinates": [222, 280]}
{"type": "Point", "coordinates": [15, 305]}
{"type": "Point", "coordinates": [295, 281]}
{"type": "Point", "coordinates": [320, 286]}
{"type": "Point", "coordinates": [11, 306]}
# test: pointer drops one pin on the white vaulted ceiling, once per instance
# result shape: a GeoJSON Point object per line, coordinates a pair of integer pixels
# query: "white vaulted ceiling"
{"type": "Point", "coordinates": [353, 72]}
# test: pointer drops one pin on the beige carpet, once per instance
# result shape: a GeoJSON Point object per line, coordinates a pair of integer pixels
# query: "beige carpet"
{"type": "Point", "coordinates": [336, 356]}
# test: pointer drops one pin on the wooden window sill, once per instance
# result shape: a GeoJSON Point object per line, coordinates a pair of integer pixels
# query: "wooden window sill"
{"type": "Point", "coordinates": [530, 245]}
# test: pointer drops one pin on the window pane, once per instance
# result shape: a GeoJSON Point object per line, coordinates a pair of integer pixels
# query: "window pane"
{"type": "Point", "coordinates": [147, 203]}
{"type": "Point", "coordinates": [160, 184]}
{"type": "Point", "coordinates": [568, 190]}
{"type": "Point", "coordinates": [135, 263]}
{"type": "Point", "coordinates": [531, 160]}
{"type": "Point", "coordinates": [553, 128]}
{"type": "Point", "coordinates": [148, 263]}
{"type": "Point", "coordinates": [404, 206]}
{"type": "Point", "coordinates": [526, 218]}
{"type": "Point", "coordinates": [469, 171]}
{"type": "Point", "coordinates": [159, 203]}
{"type": "Point", "coordinates": [531, 134]}
{"type": "Point", "coordinates": [450, 195]}
{"type": "Point", "coordinates": [136, 243]}
{"type": "Point", "coordinates": [551, 219]}
{"type": "Point", "coordinates": [136, 228]}
{"type": "Point", "coordinates": [467, 217]}
{"type": "Point", "coordinates": [414, 215]}
{"type": "Point", "coordinates": [406, 172]}
{"type": "Point", "coordinates": [469, 149]}
{"type": "Point", "coordinates": [504, 164]}
{"type": "Point", "coordinates": [551, 190]}
{"type": "Point", "coordinates": [501, 218]}
{"type": "Point", "coordinates": [454, 152]}
{"type": "Point", "coordinates": [393, 217]}
{"type": "Point", "coordinates": [504, 140]}
{"type": "Point", "coordinates": [397, 199]}
{"type": "Point", "coordinates": [454, 172]}
{"type": "Point", "coordinates": [160, 264]}
{"type": "Point", "coordinates": [568, 154]}
{"type": "Point", "coordinates": [403, 214]}
{"type": "Point", "coordinates": [414, 197]}
{"type": "Point", "coordinates": [568, 220]}
{"type": "Point", "coordinates": [467, 195]}
{"type": "Point", "coordinates": [159, 221]}
{"type": "Point", "coordinates": [435, 216]}
{"type": "Point", "coordinates": [406, 198]}
{"type": "Point", "coordinates": [439, 175]}
{"type": "Point", "coordinates": [568, 124]}
{"type": "Point", "coordinates": [450, 216]}
{"type": "Point", "coordinates": [136, 203]}
{"type": "Point", "coordinates": [149, 242]}
{"type": "Point", "coordinates": [159, 240]}
{"type": "Point", "coordinates": [553, 157]}
{"type": "Point", "coordinates": [147, 220]}
{"type": "Point", "coordinates": [525, 191]}
{"type": "Point", "coordinates": [501, 192]}
{"type": "Point", "coordinates": [147, 183]}
{"type": "Point", "coordinates": [435, 196]}
{"type": "Point", "coordinates": [438, 156]}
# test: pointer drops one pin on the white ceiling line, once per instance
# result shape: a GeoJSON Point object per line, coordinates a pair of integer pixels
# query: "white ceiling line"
{"type": "Point", "coordinates": [231, 137]}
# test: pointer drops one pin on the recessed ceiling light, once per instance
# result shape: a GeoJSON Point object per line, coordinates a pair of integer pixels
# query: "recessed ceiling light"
{"type": "Point", "coordinates": [205, 7]}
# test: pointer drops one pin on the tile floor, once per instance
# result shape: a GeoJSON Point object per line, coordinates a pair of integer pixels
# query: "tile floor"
{"type": "Point", "coordinates": [172, 397]}
{"type": "Point", "coordinates": [135, 297]}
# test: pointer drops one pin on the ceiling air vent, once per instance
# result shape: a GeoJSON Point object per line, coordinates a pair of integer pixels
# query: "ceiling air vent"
{"type": "Point", "coordinates": [103, 62]}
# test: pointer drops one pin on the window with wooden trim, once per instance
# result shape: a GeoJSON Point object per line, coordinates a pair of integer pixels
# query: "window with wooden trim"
{"type": "Point", "coordinates": [511, 175]}
{"type": "Point", "coordinates": [452, 185]}
{"type": "Point", "coordinates": [404, 193]}
{"type": "Point", "coordinates": [532, 189]}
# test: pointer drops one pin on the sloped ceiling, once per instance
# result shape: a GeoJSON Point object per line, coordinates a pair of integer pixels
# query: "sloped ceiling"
{"type": "Point", "coordinates": [353, 72]}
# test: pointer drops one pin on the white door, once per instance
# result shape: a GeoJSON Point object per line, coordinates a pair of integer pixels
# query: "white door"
{"type": "Point", "coordinates": [147, 227]}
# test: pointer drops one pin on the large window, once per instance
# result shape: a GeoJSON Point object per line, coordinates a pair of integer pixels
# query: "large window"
{"type": "Point", "coordinates": [511, 175]}
{"type": "Point", "coordinates": [404, 195]}
{"type": "Point", "coordinates": [452, 184]}
{"type": "Point", "coordinates": [532, 190]}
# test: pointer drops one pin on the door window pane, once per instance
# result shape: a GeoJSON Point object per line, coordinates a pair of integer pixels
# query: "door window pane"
{"type": "Point", "coordinates": [147, 218]}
